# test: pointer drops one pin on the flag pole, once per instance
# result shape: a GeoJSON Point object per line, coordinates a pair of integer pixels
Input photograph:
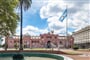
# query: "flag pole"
{"type": "Point", "coordinates": [62, 17]}
{"type": "Point", "coordinates": [67, 27]}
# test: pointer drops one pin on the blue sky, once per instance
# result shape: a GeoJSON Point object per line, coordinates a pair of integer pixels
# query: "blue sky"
{"type": "Point", "coordinates": [35, 20]}
{"type": "Point", "coordinates": [43, 16]}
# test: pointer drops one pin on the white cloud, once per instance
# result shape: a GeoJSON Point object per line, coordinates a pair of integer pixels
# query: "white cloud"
{"type": "Point", "coordinates": [53, 8]}
{"type": "Point", "coordinates": [54, 23]}
{"type": "Point", "coordinates": [78, 14]}
{"type": "Point", "coordinates": [80, 20]}
{"type": "Point", "coordinates": [31, 30]}
{"type": "Point", "coordinates": [52, 11]}
{"type": "Point", "coordinates": [36, 5]}
{"type": "Point", "coordinates": [43, 13]}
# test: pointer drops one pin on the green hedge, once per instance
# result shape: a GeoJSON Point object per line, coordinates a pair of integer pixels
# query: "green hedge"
{"type": "Point", "coordinates": [75, 47]}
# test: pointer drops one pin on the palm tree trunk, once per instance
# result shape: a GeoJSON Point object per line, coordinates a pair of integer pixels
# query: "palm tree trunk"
{"type": "Point", "coordinates": [21, 47]}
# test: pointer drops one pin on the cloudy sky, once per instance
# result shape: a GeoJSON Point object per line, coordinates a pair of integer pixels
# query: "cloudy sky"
{"type": "Point", "coordinates": [43, 16]}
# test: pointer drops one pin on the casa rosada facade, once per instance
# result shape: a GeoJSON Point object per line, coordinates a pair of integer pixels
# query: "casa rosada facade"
{"type": "Point", "coordinates": [43, 41]}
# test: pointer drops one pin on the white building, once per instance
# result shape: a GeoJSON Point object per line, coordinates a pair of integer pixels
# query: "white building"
{"type": "Point", "coordinates": [82, 37]}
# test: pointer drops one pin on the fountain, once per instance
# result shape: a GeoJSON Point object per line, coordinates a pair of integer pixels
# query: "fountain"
{"type": "Point", "coordinates": [18, 57]}
{"type": "Point", "coordinates": [32, 56]}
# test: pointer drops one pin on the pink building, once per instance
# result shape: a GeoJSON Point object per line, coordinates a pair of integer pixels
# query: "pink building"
{"type": "Point", "coordinates": [44, 40]}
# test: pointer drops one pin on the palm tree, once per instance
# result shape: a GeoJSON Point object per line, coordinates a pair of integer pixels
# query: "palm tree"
{"type": "Point", "coordinates": [24, 4]}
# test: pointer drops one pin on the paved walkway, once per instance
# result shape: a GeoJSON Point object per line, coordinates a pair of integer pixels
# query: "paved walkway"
{"type": "Point", "coordinates": [78, 57]}
{"type": "Point", "coordinates": [85, 55]}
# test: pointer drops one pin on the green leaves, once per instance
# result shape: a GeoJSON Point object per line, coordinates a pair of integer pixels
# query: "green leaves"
{"type": "Point", "coordinates": [8, 18]}
{"type": "Point", "coordinates": [26, 4]}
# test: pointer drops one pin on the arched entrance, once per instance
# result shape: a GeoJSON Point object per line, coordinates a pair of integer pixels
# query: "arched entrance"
{"type": "Point", "coordinates": [48, 44]}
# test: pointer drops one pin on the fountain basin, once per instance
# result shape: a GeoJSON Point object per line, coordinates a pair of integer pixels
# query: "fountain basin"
{"type": "Point", "coordinates": [35, 55]}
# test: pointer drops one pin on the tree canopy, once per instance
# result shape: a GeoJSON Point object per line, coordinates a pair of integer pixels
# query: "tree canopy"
{"type": "Point", "coordinates": [8, 18]}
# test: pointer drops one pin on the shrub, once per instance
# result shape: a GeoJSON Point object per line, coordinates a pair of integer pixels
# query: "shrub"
{"type": "Point", "coordinates": [16, 45]}
{"type": "Point", "coordinates": [75, 47]}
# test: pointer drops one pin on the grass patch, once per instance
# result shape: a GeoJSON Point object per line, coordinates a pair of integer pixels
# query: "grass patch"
{"type": "Point", "coordinates": [73, 53]}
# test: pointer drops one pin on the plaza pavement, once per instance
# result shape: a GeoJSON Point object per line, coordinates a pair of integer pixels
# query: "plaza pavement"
{"type": "Point", "coordinates": [80, 54]}
{"type": "Point", "coordinates": [74, 54]}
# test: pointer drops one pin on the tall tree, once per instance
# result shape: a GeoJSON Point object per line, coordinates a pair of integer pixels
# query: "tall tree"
{"type": "Point", "coordinates": [24, 4]}
{"type": "Point", "coordinates": [8, 18]}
